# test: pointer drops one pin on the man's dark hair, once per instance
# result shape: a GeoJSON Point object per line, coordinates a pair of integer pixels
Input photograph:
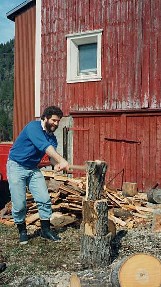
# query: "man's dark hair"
{"type": "Point", "coordinates": [50, 111]}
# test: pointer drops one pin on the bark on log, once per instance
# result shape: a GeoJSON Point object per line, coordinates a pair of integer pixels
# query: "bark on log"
{"type": "Point", "coordinates": [95, 242]}
{"type": "Point", "coordinates": [96, 171]}
{"type": "Point", "coordinates": [137, 270]}
{"type": "Point", "coordinates": [156, 222]}
{"type": "Point", "coordinates": [96, 251]}
{"type": "Point", "coordinates": [154, 195]}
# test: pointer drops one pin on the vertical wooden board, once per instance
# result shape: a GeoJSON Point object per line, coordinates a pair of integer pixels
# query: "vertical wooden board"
{"type": "Point", "coordinates": [86, 139]}
{"type": "Point", "coordinates": [145, 51]}
{"type": "Point", "coordinates": [107, 147]}
{"type": "Point", "coordinates": [80, 95]}
{"type": "Point", "coordinates": [158, 150]}
{"type": "Point", "coordinates": [158, 36]}
{"type": "Point", "coordinates": [123, 145]}
{"type": "Point", "coordinates": [139, 155]}
{"type": "Point", "coordinates": [98, 95]}
{"type": "Point", "coordinates": [91, 138]}
{"type": "Point", "coordinates": [80, 159]}
{"type": "Point", "coordinates": [102, 123]}
{"type": "Point", "coordinates": [154, 92]}
{"type": "Point", "coordinates": [113, 148]}
{"type": "Point", "coordinates": [118, 179]}
{"type": "Point", "coordinates": [74, 92]}
{"type": "Point", "coordinates": [76, 154]}
{"type": "Point", "coordinates": [133, 147]}
{"type": "Point", "coordinates": [146, 166]}
{"type": "Point", "coordinates": [128, 154]}
{"type": "Point", "coordinates": [152, 150]}
{"type": "Point", "coordinates": [96, 139]}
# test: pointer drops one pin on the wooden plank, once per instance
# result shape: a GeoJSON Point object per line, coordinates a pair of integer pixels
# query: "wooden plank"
{"type": "Point", "coordinates": [32, 218]}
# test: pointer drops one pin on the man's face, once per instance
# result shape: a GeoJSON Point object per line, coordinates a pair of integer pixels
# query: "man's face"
{"type": "Point", "coordinates": [52, 124]}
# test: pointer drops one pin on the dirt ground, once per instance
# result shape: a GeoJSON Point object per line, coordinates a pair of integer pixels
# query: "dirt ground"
{"type": "Point", "coordinates": [45, 263]}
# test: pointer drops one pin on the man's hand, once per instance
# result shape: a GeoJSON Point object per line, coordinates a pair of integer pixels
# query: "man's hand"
{"type": "Point", "coordinates": [63, 165]}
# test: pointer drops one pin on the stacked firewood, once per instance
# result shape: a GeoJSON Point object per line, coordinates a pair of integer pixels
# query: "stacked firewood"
{"type": "Point", "coordinates": [67, 195]}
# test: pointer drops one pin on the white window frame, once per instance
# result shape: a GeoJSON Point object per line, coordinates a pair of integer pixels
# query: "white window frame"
{"type": "Point", "coordinates": [73, 42]}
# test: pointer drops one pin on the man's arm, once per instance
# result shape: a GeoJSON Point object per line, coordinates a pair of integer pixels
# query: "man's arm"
{"type": "Point", "coordinates": [62, 164]}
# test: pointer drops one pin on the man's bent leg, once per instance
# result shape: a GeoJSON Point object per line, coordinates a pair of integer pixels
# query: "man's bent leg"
{"type": "Point", "coordinates": [38, 188]}
{"type": "Point", "coordinates": [39, 191]}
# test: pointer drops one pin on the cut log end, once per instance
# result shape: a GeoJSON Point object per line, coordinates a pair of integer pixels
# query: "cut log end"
{"type": "Point", "coordinates": [75, 281]}
{"type": "Point", "coordinates": [137, 270]}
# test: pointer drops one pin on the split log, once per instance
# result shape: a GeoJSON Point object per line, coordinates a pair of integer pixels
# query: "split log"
{"type": "Point", "coordinates": [96, 171]}
{"type": "Point", "coordinates": [69, 190]}
{"type": "Point", "coordinates": [122, 213]}
{"type": "Point", "coordinates": [156, 223]}
{"type": "Point", "coordinates": [137, 270]}
{"type": "Point", "coordinates": [154, 195]}
{"type": "Point", "coordinates": [117, 220]}
{"type": "Point", "coordinates": [74, 281]}
{"type": "Point", "coordinates": [129, 188]}
{"type": "Point", "coordinates": [32, 218]}
{"type": "Point", "coordinates": [95, 218]}
{"type": "Point", "coordinates": [54, 185]}
{"type": "Point", "coordinates": [59, 219]}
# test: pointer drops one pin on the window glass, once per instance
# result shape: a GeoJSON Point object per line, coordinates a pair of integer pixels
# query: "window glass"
{"type": "Point", "coordinates": [87, 58]}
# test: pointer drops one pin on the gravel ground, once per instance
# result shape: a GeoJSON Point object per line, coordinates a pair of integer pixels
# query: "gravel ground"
{"type": "Point", "coordinates": [127, 242]}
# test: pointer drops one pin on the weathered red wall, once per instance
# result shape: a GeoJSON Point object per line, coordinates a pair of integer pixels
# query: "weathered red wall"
{"type": "Point", "coordinates": [132, 151]}
{"type": "Point", "coordinates": [131, 81]}
{"type": "Point", "coordinates": [131, 54]}
{"type": "Point", "coordinates": [24, 73]}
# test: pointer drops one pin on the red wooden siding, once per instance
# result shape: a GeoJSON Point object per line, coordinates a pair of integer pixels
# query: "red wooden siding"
{"type": "Point", "coordinates": [131, 54]}
{"type": "Point", "coordinates": [132, 151]}
{"type": "Point", "coordinates": [24, 74]}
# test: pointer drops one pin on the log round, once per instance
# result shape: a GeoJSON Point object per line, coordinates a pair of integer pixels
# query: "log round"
{"type": "Point", "coordinates": [75, 281]}
{"type": "Point", "coordinates": [137, 270]}
{"type": "Point", "coordinates": [154, 195]}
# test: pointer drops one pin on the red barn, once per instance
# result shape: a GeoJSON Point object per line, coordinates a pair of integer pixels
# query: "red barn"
{"type": "Point", "coordinates": [100, 61]}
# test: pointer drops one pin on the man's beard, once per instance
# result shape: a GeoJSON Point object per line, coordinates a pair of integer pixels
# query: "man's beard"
{"type": "Point", "coordinates": [50, 128]}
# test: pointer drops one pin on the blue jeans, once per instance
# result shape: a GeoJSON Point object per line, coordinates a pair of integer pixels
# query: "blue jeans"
{"type": "Point", "coordinates": [19, 177]}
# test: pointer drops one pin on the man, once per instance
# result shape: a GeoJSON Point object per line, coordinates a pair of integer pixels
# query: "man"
{"type": "Point", "coordinates": [36, 139]}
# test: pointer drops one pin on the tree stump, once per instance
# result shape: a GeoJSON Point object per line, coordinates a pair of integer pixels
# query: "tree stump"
{"type": "Point", "coordinates": [95, 241]}
{"type": "Point", "coordinates": [154, 195]}
{"type": "Point", "coordinates": [136, 271]}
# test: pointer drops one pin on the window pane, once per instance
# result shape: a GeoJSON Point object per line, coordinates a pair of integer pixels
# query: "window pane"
{"type": "Point", "coordinates": [87, 58]}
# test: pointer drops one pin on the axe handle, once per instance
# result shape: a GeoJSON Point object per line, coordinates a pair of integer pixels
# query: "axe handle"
{"type": "Point", "coordinates": [78, 167]}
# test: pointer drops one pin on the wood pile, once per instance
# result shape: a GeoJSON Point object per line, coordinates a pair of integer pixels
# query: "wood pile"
{"type": "Point", "coordinates": [67, 195]}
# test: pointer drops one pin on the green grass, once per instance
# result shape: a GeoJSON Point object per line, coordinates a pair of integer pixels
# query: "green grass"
{"type": "Point", "coordinates": [39, 256]}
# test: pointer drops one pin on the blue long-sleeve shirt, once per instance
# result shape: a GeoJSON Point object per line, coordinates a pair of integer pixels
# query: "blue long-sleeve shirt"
{"type": "Point", "coordinates": [31, 144]}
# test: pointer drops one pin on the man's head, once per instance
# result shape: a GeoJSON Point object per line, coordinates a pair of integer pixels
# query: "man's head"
{"type": "Point", "coordinates": [51, 117]}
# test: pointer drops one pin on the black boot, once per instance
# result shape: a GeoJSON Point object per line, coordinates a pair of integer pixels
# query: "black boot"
{"type": "Point", "coordinates": [22, 233]}
{"type": "Point", "coordinates": [48, 233]}
{"type": "Point", "coordinates": [2, 267]}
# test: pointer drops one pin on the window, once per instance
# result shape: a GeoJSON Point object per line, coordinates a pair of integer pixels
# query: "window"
{"type": "Point", "coordinates": [84, 56]}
